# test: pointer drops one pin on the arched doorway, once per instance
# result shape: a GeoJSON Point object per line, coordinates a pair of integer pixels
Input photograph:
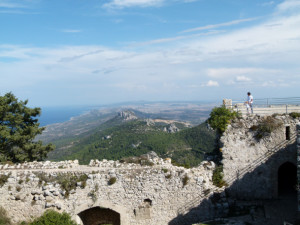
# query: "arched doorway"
{"type": "Point", "coordinates": [99, 216]}
{"type": "Point", "coordinates": [287, 179]}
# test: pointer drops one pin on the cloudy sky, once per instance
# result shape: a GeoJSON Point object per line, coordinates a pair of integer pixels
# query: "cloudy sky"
{"type": "Point", "coordinates": [92, 52]}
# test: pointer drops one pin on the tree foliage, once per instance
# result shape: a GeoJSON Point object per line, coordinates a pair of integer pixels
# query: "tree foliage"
{"type": "Point", "coordinates": [18, 128]}
{"type": "Point", "coordinates": [51, 217]}
{"type": "Point", "coordinates": [133, 138]}
{"type": "Point", "coordinates": [220, 117]}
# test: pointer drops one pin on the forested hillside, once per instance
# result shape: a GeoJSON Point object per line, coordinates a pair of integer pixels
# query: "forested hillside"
{"type": "Point", "coordinates": [118, 138]}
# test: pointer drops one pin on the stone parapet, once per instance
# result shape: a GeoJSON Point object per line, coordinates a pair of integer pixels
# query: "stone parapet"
{"type": "Point", "coordinates": [139, 194]}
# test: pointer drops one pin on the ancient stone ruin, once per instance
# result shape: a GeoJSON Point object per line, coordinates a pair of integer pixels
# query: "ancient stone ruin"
{"type": "Point", "coordinates": [259, 166]}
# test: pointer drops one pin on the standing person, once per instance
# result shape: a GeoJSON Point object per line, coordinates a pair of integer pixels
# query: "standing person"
{"type": "Point", "coordinates": [249, 103]}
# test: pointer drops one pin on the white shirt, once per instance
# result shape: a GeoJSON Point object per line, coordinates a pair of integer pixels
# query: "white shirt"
{"type": "Point", "coordinates": [250, 99]}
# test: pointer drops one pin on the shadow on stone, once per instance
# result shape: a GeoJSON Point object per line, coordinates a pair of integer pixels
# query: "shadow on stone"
{"type": "Point", "coordinates": [270, 183]}
{"type": "Point", "coordinates": [98, 216]}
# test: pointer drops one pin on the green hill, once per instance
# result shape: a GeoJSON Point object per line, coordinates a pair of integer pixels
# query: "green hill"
{"type": "Point", "coordinates": [118, 138]}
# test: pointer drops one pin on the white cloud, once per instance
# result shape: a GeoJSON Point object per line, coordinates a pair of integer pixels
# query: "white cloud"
{"type": "Point", "coordinates": [212, 83]}
{"type": "Point", "coordinates": [10, 4]}
{"type": "Point", "coordinates": [120, 4]}
{"type": "Point", "coordinates": [71, 31]}
{"type": "Point", "coordinates": [133, 3]}
{"type": "Point", "coordinates": [242, 79]}
{"type": "Point", "coordinates": [17, 6]}
{"type": "Point", "coordinates": [238, 72]}
{"type": "Point", "coordinates": [268, 3]}
{"type": "Point", "coordinates": [176, 38]}
{"type": "Point", "coordinates": [213, 26]}
{"type": "Point", "coordinates": [288, 5]}
{"type": "Point", "coordinates": [251, 57]}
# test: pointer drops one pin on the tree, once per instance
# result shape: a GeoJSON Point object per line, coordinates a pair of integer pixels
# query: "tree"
{"type": "Point", "coordinates": [220, 117]}
{"type": "Point", "coordinates": [18, 128]}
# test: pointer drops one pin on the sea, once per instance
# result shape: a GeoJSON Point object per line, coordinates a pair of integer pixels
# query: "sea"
{"type": "Point", "coordinates": [61, 114]}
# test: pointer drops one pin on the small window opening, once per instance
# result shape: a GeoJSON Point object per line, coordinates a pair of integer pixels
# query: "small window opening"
{"type": "Point", "coordinates": [148, 202]}
{"type": "Point", "coordinates": [287, 133]}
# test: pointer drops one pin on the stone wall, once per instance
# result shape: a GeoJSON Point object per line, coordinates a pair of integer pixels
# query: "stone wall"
{"type": "Point", "coordinates": [251, 163]}
{"type": "Point", "coordinates": [140, 194]}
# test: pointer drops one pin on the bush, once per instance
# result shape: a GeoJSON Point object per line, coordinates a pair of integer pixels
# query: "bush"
{"type": "Point", "coordinates": [3, 179]}
{"type": "Point", "coordinates": [217, 177]}
{"type": "Point", "coordinates": [112, 180]}
{"type": "Point", "coordinates": [295, 115]}
{"type": "Point", "coordinates": [4, 220]}
{"type": "Point", "coordinates": [266, 127]}
{"type": "Point", "coordinates": [185, 180]}
{"type": "Point", "coordinates": [168, 176]}
{"type": "Point", "coordinates": [220, 118]}
{"type": "Point", "coordinates": [51, 217]}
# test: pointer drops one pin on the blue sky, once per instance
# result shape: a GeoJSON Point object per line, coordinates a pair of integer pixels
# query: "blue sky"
{"type": "Point", "coordinates": [92, 52]}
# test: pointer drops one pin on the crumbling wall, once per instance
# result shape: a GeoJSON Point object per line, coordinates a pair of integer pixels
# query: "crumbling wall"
{"type": "Point", "coordinates": [251, 162]}
{"type": "Point", "coordinates": [140, 194]}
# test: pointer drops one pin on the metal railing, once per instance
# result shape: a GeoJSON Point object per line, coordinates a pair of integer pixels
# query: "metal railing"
{"type": "Point", "coordinates": [243, 171]}
{"type": "Point", "coordinates": [266, 106]}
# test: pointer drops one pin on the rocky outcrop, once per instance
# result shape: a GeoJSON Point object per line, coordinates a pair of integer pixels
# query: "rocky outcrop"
{"type": "Point", "coordinates": [127, 115]}
{"type": "Point", "coordinates": [171, 129]}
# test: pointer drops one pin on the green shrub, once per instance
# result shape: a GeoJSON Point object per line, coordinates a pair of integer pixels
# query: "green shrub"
{"type": "Point", "coordinates": [220, 118]}
{"type": "Point", "coordinates": [4, 220]}
{"type": "Point", "coordinates": [185, 180]}
{"type": "Point", "coordinates": [93, 193]}
{"type": "Point", "coordinates": [295, 115]}
{"type": "Point", "coordinates": [112, 180]}
{"type": "Point", "coordinates": [266, 127]}
{"type": "Point", "coordinates": [218, 176]}
{"type": "Point", "coordinates": [3, 179]}
{"type": "Point", "coordinates": [168, 176]}
{"type": "Point", "coordinates": [27, 179]}
{"type": "Point", "coordinates": [51, 217]}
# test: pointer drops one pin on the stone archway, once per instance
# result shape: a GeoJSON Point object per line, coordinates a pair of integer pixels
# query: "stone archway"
{"type": "Point", "coordinates": [99, 206]}
{"type": "Point", "coordinates": [287, 179]}
{"type": "Point", "coordinates": [99, 216]}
